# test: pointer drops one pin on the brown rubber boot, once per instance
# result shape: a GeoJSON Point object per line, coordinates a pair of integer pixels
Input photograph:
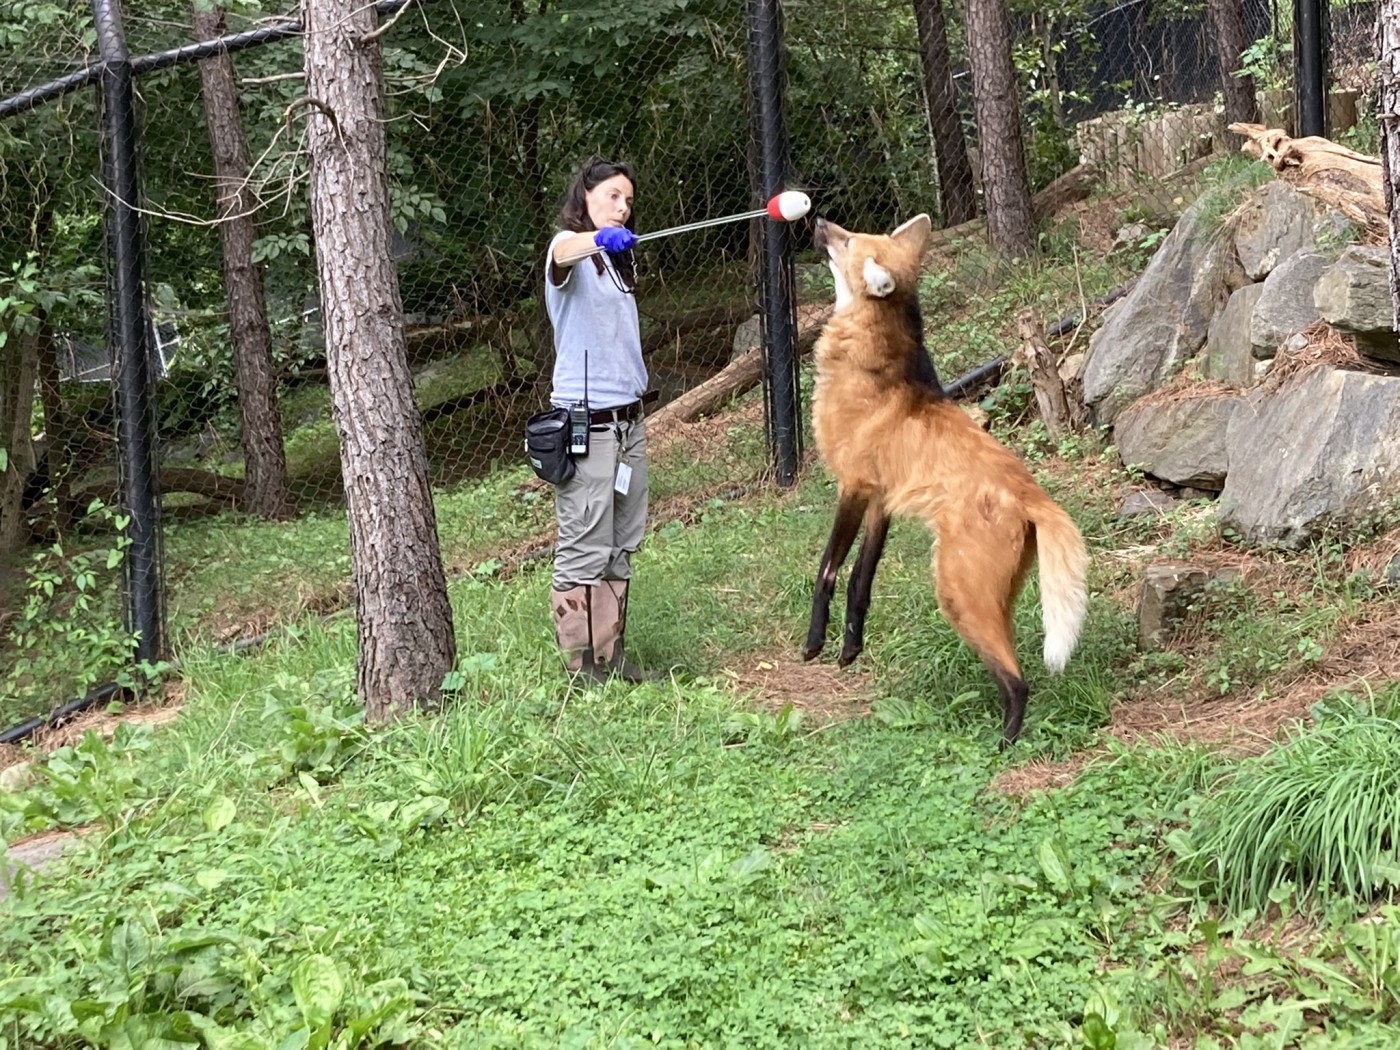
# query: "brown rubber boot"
{"type": "Point", "coordinates": [573, 631]}
{"type": "Point", "coordinates": [612, 603]}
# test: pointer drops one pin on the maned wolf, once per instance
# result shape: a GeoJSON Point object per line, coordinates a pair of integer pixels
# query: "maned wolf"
{"type": "Point", "coordinates": [897, 445]}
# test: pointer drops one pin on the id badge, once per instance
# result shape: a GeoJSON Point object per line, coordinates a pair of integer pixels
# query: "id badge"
{"type": "Point", "coordinates": [624, 479]}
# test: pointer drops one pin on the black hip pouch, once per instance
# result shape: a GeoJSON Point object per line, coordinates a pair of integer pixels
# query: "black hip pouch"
{"type": "Point", "coordinates": [547, 445]}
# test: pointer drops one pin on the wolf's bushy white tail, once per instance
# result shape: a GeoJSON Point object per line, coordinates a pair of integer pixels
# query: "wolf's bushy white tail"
{"type": "Point", "coordinates": [1064, 563]}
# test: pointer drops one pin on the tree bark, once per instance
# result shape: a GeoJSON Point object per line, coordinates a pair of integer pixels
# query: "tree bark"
{"type": "Point", "coordinates": [957, 194]}
{"type": "Point", "coordinates": [403, 618]}
{"type": "Point", "coordinates": [18, 356]}
{"type": "Point", "coordinates": [264, 459]}
{"type": "Point", "coordinates": [1226, 21]}
{"type": "Point", "coordinates": [1388, 47]}
{"type": "Point", "coordinates": [1005, 185]}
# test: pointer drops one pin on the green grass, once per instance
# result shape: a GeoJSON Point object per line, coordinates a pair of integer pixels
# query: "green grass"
{"type": "Point", "coordinates": [666, 865]}
{"type": "Point", "coordinates": [1319, 814]}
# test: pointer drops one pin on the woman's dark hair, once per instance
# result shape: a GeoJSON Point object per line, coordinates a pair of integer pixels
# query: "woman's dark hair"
{"type": "Point", "coordinates": [573, 215]}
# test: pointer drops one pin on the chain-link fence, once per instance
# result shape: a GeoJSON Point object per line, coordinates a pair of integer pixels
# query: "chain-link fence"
{"type": "Point", "coordinates": [490, 109]}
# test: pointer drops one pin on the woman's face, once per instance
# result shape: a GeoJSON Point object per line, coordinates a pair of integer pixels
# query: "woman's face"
{"type": "Point", "coordinates": [610, 202]}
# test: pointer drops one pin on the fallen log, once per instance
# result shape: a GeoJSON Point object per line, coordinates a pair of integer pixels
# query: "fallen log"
{"type": "Point", "coordinates": [496, 392]}
{"type": "Point", "coordinates": [1074, 185]}
{"type": "Point", "coordinates": [667, 328]}
{"type": "Point", "coordinates": [738, 377]}
{"type": "Point", "coordinates": [204, 483]}
{"type": "Point", "coordinates": [1339, 177]}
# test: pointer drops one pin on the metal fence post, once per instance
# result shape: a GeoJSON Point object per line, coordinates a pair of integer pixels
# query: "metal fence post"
{"type": "Point", "coordinates": [128, 326]}
{"type": "Point", "coordinates": [1310, 65]}
{"type": "Point", "coordinates": [778, 316]}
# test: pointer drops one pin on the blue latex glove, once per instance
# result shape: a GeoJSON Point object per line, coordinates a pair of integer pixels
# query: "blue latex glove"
{"type": "Point", "coordinates": [615, 239]}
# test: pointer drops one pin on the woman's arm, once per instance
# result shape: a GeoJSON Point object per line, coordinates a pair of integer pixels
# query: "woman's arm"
{"type": "Point", "coordinates": [571, 249]}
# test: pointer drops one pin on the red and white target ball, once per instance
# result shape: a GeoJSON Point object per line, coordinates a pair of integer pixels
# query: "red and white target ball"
{"type": "Point", "coordinates": [789, 206]}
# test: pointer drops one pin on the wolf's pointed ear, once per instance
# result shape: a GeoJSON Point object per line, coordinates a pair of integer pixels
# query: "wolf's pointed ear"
{"type": "Point", "coordinates": [915, 230]}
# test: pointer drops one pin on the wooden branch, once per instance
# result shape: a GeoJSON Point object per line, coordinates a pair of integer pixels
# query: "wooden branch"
{"type": "Point", "coordinates": [375, 34]}
{"type": "Point", "coordinates": [1339, 177]}
{"type": "Point", "coordinates": [1074, 185]}
{"type": "Point", "coordinates": [1045, 375]}
{"type": "Point", "coordinates": [736, 378]}
{"type": "Point", "coordinates": [669, 327]}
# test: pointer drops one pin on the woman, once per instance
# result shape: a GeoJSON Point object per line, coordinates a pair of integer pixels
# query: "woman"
{"type": "Point", "coordinates": [602, 509]}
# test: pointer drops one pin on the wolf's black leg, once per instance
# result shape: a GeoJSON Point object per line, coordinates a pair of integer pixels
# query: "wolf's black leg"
{"type": "Point", "coordinates": [843, 533]}
{"type": "Point", "coordinates": [1014, 693]}
{"type": "Point", "coordinates": [872, 546]}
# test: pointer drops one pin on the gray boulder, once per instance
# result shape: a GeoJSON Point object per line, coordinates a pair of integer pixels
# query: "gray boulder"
{"type": "Point", "coordinates": [747, 336]}
{"type": "Point", "coordinates": [1229, 354]}
{"type": "Point", "coordinates": [1286, 305]}
{"type": "Point", "coordinates": [1353, 295]}
{"type": "Point", "coordinates": [1274, 225]}
{"type": "Point", "coordinates": [1182, 441]}
{"type": "Point", "coordinates": [1163, 321]}
{"type": "Point", "coordinates": [1145, 502]}
{"type": "Point", "coordinates": [1320, 451]}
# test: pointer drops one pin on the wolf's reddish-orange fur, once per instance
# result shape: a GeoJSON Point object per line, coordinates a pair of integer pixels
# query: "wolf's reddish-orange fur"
{"type": "Point", "coordinates": [903, 448]}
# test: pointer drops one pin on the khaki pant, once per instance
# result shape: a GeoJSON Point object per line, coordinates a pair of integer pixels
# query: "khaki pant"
{"type": "Point", "coordinates": [599, 528]}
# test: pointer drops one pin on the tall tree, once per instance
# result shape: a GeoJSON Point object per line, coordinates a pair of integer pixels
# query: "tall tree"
{"type": "Point", "coordinates": [957, 194]}
{"type": "Point", "coordinates": [264, 459]}
{"type": "Point", "coordinates": [1388, 47]}
{"type": "Point", "coordinates": [1006, 187]}
{"type": "Point", "coordinates": [1226, 20]}
{"type": "Point", "coordinates": [403, 618]}
{"type": "Point", "coordinates": [18, 363]}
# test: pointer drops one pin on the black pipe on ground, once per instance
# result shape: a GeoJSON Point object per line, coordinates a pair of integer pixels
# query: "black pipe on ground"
{"type": "Point", "coordinates": [56, 717]}
{"type": "Point", "coordinates": [991, 371]}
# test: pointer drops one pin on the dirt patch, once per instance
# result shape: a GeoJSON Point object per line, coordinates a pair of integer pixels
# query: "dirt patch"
{"type": "Point", "coordinates": [1364, 653]}
{"type": "Point", "coordinates": [1098, 220]}
{"type": "Point", "coordinates": [828, 692]}
{"type": "Point", "coordinates": [1041, 775]}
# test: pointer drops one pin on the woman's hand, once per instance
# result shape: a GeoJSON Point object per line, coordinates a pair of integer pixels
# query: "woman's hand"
{"type": "Point", "coordinates": [615, 239]}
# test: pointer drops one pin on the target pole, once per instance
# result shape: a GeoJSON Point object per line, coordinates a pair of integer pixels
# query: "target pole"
{"type": "Point", "coordinates": [788, 206]}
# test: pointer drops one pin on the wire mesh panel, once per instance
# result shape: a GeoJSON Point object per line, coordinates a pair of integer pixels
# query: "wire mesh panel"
{"type": "Point", "coordinates": [1120, 107]}
{"type": "Point", "coordinates": [491, 107]}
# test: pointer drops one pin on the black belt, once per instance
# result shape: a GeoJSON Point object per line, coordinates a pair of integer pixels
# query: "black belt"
{"type": "Point", "coordinates": [601, 417]}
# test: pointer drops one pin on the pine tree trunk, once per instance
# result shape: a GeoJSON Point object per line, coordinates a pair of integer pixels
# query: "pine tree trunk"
{"type": "Point", "coordinates": [1388, 47]}
{"type": "Point", "coordinates": [1005, 186]}
{"type": "Point", "coordinates": [264, 460]}
{"type": "Point", "coordinates": [404, 620]}
{"type": "Point", "coordinates": [1226, 21]}
{"type": "Point", "coordinates": [18, 358]}
{"type": "Point", "coordinates": [957, 193]}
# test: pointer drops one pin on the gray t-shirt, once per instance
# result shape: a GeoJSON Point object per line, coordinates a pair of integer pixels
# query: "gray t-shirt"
{"type": "Point", "coordinates": [591, 313]}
